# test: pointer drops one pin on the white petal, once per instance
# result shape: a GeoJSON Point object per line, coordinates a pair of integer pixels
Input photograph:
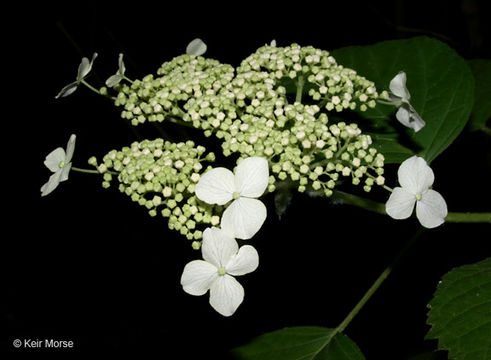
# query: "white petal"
{"type": "Point", "coordinates": [403, 115]}
{"type": "Point", "coordinates": [415, 175]}
{"type": "Point", "coordinates": [85, 67]}
{"type": "Point", "coordinates": [415, 121]}
{"type": "Point", "coordinates": [65, 171]}
{"type": "Point", "coordinates": [400, 204]}
{"type": "Point", "coordinates": [244, 217]}
{"type": "Point", "coordinates": [226, 294]}
{"type": "Point", "coordinates": [431, 210]}
{"type": "Point", "coordinates": [113, 80]}
{"type": "Point", "coordinates": [122, 68]}
{"type": "Point", "coordinates": [67, 90]}
{"type": "Point", "coordinates": [246, 261]}
{"type": "Point", "coordinates": [398, 86]}
{"type": "Point", "coordinates": [218, 246]}
{"type": "Point", "coordinates": [70, 148]}
{"type": "Point", "coordinates": [216, 186]}
{"type": "Point", "coordinates": [54, 158]}
{"type": "Point", "coordinates": [52, 183]}
{"type": "Point", "coordinates": [196, 47]}
{"type": "Point", "coordinates": [198, 276]}
{"type": "Point", "coordinates": [252, 176]}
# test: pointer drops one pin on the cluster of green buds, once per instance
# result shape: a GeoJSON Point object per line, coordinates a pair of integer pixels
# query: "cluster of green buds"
{"type": "Point", "coordinates": [185, 85]}
{"type": "Point", "coordinates": [161, 176]}
{"type": "Point", "coordinates": [297, 70]}
{"type": "Point", "coordinates": [281, 103]}
{"type": "Point", "coordinates": [301, 143]}
{"type": "Point", "coordinates": [311, 153]}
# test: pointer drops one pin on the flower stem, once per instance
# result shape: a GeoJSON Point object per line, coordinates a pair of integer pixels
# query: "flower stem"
{"type": "Point", "coordinates": [127, 79]}
{"type": "Point", "coordinates": [180, 122]}
{"type": "Point", "coordinates": [367, 204]}
{"type": "Point", "coordinates": [88, 171]}
{"type": "Point", "coordinates": [486, 130]}
{"type": "Point", "coordinates": [90, 87]}
{"type": "Point", "coordinates": [300, 84]}
{"type": "Point", "coordinates": [369, 293]}
{"type": "Point", "coordinates": [378, 282]}
{"type": "Point", "coordinates": [468, 217]}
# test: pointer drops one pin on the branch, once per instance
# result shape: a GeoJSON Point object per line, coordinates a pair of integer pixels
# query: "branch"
{"type": "Point", "coordinates": [374, 206]}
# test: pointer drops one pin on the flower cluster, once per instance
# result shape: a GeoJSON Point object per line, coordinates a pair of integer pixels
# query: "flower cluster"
{"type": "Point", "coordinates": [242, 218]}
{"type": "Point", "coordinates": [59, 162]}
{"type": "Point", "coordinates": [416, 178]}
{"type": "Point", "coordinates": [256, 112]}
{"type": "Point", "coordinates": [330, 85]}
{"type": "Point", "coordinates": [161, 175]}
{"type": "Point", "coordinates": [278, 112]}
{"type": "Point", "coordinates": [186, 85]}
{"type": "Point", "coordinates": [309, 152]}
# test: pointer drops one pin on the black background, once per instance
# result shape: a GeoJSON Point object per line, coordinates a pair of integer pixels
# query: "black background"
{"type": "Point", "coordinates": [88, 265]}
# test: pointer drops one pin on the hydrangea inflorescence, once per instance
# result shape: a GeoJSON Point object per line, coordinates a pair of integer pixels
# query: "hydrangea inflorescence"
{"type": "Point", "coordinates": [277, 104]}
{"type": "Point", "coordinates": [161, 176]}
{"type": "Point", "coordinates": [186, 83]}
{"type": "Point", "coordinates": [277, 114]}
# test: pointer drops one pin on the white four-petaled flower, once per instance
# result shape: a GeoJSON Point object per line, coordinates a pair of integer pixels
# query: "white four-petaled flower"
{"type": "Point", "coordinates": [416, 178]}
{"type": "Point", "coordinates": [116, 78]}
{"type": "Point", "coordinates": [245, 215]}
{"type": "Point", "coordinates": [83, 70]}
{"type": "Point", "coordinates": [400, 96]}
{"type": "Point", "coordinates": [196, 47]}
{"type": "Point", "coordinates": [59, 162]}
{"type": "Point", "coordinates": [222, 261]}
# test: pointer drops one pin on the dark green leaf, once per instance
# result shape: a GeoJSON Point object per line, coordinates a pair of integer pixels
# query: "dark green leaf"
{"type": "Point", "coordinates": [460, 312]}
{"type": "Point", "coordinates": [481, 112]}
{"type": "Point", "coordinates": [390, 145]}
{"type": "Point", "coordinates": [300, 343]}
{"type": "Point", "coordinates": [439, 80]}
{"type": "Point", "coordinates": [434, 355]}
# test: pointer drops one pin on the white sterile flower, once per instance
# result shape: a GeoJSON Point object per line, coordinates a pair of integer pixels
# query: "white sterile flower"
{"type": "Point", "coordinates": [83, 70]}
{"type": "Point", "coordinates": [400, 96]}
{"type": "Point", "coordinates": [196, 47]}
{"type": "Point", "coordinates": [245, 215]}
{"type": "Point", "coordinates": [222, 261]}
{"type": "Point", "coordinates": [116, 78]}
{"type": "Point", "coordinates": [416, 178]}
{"type": "Point", "coordinates": [59, 162]}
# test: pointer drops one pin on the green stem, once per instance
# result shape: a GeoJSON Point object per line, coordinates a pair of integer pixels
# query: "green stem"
{"type": "Point", "coordinates": [385, 102]}
{"type": "Point", "coordinates": [127, 79]}
{"type": "Point", "coordinates": [468, 217]}
{"type": "Point", "coordinates": [180, 122]}
{"type": "Point", "coordinates": [91, 87]}
{"type": "Point", "coordinates": [300, 84]}
{"type": "Point", "coordinates": [355, 200]}
{"type": "Point", "coordinates": [378, 282]}
{"type": "Point", "coordinates": [486, 130]}
{"type": "Point", "coordinates": [88, 171]}
{"type": "Point", "coordinates": [374, 206]}
{"type": "Point", "coordinates": [340, 328]}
